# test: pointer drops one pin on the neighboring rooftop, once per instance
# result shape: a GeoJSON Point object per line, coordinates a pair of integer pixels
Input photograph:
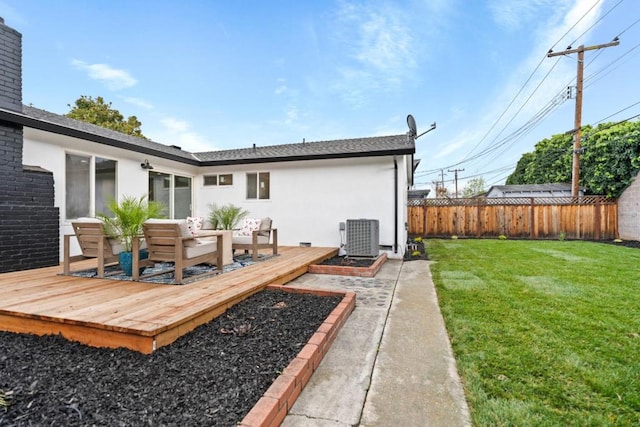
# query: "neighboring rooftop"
{"type": "Point", "coordinates": [419, 194]}
{"type": "Point", "coordinates": [555, 189]}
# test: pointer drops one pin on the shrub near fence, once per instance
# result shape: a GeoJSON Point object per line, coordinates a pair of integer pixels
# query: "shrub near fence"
{"type": "Point", "coordinates": [589, 217]}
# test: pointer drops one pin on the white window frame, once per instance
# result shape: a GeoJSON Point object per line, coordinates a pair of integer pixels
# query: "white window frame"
{"type": "Point", "coordinates": [257, 185]}
{"type": "Point", "coordinates": [91, 212]}
{"type": "Point", "coordinates": [171, 208]}
{"type": "Point", "coordinates": [219, 180]}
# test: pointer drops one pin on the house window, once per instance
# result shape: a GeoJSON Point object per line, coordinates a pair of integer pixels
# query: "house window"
{"type": "Point", "coordinates": [173, 191]}
{"type": "Point", "coordinates": [258, 185]}
{"type": "Point", "coordinates": [105, 184]}
{"type": "Point", "coordinates": [90, 182]}
{"type": "Point", "coordinates": [225, 179]}
{"type": "Point", "coordinates": [222, 179]}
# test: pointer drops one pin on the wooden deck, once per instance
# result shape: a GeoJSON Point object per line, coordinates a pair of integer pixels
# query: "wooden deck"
{"type": "Point", "coordinates": [139, 316]}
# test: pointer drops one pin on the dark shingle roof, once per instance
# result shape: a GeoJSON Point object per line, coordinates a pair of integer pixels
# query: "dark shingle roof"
{"type": "Point", "coordinates": [104, 135]}
{"type": "Point", "coordinates": [343, 148]}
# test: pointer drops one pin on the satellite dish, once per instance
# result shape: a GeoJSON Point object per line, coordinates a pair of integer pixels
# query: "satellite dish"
{"type": "Point", "coordinates": [413, 129]}
{"type": "Point", "coordinates": [411, 122]}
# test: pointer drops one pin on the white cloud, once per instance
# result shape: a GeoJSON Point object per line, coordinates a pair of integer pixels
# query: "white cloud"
{"type": "Point", "coordinates": [379, 46]}
{"type": "Point", "coordinates": [138, 102]}
{"type": "Point", "coordinates": [175, 125]}
{"type": "Point", "coordinates": [513, 14]}
{"type": "Point", "coordinates": [282, 87]}
{"type": "Point", "coordinates": [178, 132]}
{"type": "Point", "coordinates": [12, 17]}
{"type": "Point", "coordinates": [547, 33]}
{"type": "Point", "coordinates": [291, 114]}
{"type": "Point", "coordinates": [113, 78]}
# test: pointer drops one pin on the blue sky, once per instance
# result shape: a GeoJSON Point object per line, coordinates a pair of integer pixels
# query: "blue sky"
{"type": "Point", "coordinates": [209, 75]}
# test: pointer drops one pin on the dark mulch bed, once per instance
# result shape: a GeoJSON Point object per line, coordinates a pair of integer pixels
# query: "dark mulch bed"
{"type": "Point", "coordinates": [626, 243]}
{"type": "Point", "coordinates": [345, 261]}
{"type": "Point", "coordinates": [415, 250]}
{"type": "Point", "coordinates": [212, 376]}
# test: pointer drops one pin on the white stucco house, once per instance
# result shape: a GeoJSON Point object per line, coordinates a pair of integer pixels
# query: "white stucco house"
{"type": "Point", "coordinates": [307, 188]}
{"type": "Point", "coordinates": [54, 169]}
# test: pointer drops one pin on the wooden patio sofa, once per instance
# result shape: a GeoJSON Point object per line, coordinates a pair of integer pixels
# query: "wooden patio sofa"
{"type": "Point", "coordinates": [250, 238]}
{"type": "Point", "coordinates": [171, 241]}
{"type": "Point", "coordinates": [93, 242]}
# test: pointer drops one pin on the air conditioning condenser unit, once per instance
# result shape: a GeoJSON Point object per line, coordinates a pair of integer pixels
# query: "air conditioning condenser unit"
{"type": "Point", "coordinates": [363, 237]}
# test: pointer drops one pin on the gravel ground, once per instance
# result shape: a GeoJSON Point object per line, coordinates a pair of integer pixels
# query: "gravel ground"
{"type": "Point", "coordinates": [212, 376]}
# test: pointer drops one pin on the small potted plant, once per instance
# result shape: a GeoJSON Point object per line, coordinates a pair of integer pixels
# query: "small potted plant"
{"type": "Point", "coordinates": [227, 216]}
{"type": "Point", "coordinates": [126, 223]}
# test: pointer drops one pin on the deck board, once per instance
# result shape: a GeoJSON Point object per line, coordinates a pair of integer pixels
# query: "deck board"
{"type": "Point", "coordinates": [136, 315]}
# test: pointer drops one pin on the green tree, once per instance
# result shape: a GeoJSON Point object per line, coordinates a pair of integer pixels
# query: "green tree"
{"type": "Point", "coordinates": [611, 159]}
{"type": "Point", "coordinates": [474, 187]}
{"type": "Point", "coordinates": [99, 113]}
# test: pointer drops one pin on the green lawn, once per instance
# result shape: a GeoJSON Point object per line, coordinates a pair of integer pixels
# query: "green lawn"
{"type": "Point", "coordinates": [545, 333]}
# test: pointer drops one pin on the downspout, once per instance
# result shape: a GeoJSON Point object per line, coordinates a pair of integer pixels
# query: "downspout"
{"type": "Point", "coordinates": [395, 209]}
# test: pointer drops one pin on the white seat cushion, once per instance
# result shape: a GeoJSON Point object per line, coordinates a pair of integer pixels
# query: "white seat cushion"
{"type": "Point", "coordinates": [200, 248]}
{"type": "Point", "coordinates": [248, 240]}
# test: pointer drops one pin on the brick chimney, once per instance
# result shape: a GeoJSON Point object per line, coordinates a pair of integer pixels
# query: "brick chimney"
{"type": "Point", "coordinates": [29, 222]}
{"type": "Point", "coordinates": [11, 76]}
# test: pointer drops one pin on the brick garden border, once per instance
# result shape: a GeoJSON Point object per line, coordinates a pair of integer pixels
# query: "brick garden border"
{"type": "Point", "coordinates": [343, 270]}
{"type": "Point", "coordinates": [275, 403]}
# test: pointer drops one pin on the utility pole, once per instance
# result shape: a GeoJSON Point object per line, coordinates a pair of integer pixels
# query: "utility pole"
{"type": "Point", "coordinates": [577, 150]}
{"type": "Point", "coordinates": [455, 171]}
{"type": "Point", "coordinates": [436, 183]}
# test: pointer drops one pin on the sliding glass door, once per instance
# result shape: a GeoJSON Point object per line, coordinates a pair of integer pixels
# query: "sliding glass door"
{"type": "Point", "coordinates": [174, 191]}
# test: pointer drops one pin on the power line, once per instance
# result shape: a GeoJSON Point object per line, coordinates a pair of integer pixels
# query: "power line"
{"type": "Point", "coordinates": [496, 144]}
{"type": "Point", "coordinates": [626, 29]}
{"type": "Point", "coordinates": [528, 80]}
{"type": "Point", "coordinates": [591, 76]}
{"type": "Point", "coordinates": [618, 112]}
{"type": "Point", "coordinates": [574, 25]}
{"type": "Point", "coordinates": [575, 175]}
{"type": "Point", "coordinates": [595, 23]}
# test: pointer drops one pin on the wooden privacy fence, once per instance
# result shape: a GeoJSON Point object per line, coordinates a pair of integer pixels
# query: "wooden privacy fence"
{"type": "Point", "coordinates": [589, 217]}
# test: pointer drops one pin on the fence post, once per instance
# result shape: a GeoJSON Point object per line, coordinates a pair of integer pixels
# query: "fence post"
{"type": "Point", "coordinates": [597, 220]}
{"type": "Point", "coordinates": [478, 217]}
{"type": "Point", "coordinates": [424, 217]}
{"type": "Point", "coordinates": [533, 231]}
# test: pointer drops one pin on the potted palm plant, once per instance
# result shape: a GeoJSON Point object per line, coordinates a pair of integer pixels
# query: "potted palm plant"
{"type": "Point", "coordinates": [226, 217]}
{"type": "Point", "coordinates": [126, 221]}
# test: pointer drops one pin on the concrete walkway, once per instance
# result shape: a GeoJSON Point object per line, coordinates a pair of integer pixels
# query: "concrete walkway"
{"type": "Point", "coordinates": [391, 364]}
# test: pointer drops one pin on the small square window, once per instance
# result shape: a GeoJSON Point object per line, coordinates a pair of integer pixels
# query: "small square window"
{"type": "Point", "coordinates": [226, 179]}
{"type": "Point", "coordinates": [210, 180]}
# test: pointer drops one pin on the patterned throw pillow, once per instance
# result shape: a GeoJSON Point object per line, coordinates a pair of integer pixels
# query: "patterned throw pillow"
{"type": "Point", "coordinates": [195, 224]}
{"type": "Point", "coordinates": [249, 225]}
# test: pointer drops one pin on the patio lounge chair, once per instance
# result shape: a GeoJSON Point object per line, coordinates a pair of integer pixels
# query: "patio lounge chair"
{"type": "Point", "coordinates": [93, 242]}
{"type": "Point", "coordinates": [255, 235]}
{"type": "Point", "coordinates": [171, 241]}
